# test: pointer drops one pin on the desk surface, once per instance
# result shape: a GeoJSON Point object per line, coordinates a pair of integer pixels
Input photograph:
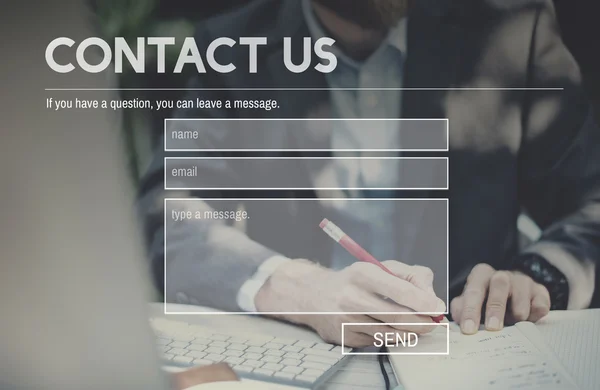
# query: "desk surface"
{"type": "Point", "coordinates": [362, 372]}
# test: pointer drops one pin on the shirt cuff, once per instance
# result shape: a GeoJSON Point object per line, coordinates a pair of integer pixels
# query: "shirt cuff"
{"type": "Point", "coordinates": [580, 274]}
{"type": "Point", "coordinates": [248, 291]}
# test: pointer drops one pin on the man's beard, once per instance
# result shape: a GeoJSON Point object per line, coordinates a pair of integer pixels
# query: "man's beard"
{"type": "Point", "coordinates": [371, 14]}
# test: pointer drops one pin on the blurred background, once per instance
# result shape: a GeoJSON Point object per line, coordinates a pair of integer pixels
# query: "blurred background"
{"type": "Point", "coordinates": [177, 18]}
{"type": "Point", "coordinates": [142, 129]}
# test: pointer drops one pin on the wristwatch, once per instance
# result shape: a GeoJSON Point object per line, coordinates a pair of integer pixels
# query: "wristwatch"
{"type": "Point", "coordinates": [544, 273]}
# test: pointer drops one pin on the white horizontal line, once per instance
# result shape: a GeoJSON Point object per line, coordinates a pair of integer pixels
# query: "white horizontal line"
{"type": "Point", "coordinates": [307, 158]}
{"type": "Point", "coordinates": [304, 89]}
{"type": "Point", "coordinates": [308, 119]}
{"type": "Point", "coordinates": [304, 189]}
{"type": "Point", "coordinates": [306, 150]}
{"type": "Point", "coordinates": [307, 199]}
{"type": "Point", "coordinates": [393, 323]}
{"type": "Point", "coordinates": [221, 313]}
{"type": "Point", "coordinates": [397, 353]}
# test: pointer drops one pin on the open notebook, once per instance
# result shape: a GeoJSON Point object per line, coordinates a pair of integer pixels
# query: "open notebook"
{"type": "Point", "coordinates": [515, 358]}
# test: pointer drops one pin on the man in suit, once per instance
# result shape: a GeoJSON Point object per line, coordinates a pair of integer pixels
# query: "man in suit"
{"type": "Point", "coordinates": [521, 137]}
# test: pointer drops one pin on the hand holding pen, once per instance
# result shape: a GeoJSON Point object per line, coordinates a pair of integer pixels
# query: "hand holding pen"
{"type": "Point", "coordinates": [303, 292]}
{"type": "Point", "coordinates": [362, 255]}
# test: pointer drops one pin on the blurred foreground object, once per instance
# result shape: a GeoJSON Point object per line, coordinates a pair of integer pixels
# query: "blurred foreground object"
{"type": "Point", "coordinates": [67, 224]}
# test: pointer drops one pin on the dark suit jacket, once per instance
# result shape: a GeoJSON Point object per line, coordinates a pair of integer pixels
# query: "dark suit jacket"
{"type": "Point", "coordinates": [511, 148]}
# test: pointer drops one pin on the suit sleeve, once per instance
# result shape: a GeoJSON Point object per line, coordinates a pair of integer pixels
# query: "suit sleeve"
{"type": "Point", "coordinates": [560, 162]}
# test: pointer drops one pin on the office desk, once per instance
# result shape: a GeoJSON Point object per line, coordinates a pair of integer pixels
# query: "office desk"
{"type": "Point", "coordinates": [361, 372]}
{"type": "Point", "coordinates": [574, 336]}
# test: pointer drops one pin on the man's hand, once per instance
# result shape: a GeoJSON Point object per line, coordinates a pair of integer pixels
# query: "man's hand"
{"type": "Point", "coordinates": [301, 286]}
{"type": "Point", "coordinates": [199, 375]}
{"type": "Point", "coordinates": [511, 297]}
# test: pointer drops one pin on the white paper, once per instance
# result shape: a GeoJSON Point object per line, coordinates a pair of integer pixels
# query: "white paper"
{"type": "Point", "coordinates": [574, 336]}
{"type": "Point", "coordinates": [488, 360]}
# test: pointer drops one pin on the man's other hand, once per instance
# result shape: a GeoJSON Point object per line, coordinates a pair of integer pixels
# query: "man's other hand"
{"type": "Point", "coordinates": [200, 375]}
{"type": "Point", "coordinates": [509, 297]}
{"type": "Point", "coordinates": [301, 286]}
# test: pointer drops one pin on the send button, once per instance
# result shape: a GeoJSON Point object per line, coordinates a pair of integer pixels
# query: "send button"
{"type": "Point", "coordinates": [399, 338]}
{"type": "Point", "coordinates": [395, 339]}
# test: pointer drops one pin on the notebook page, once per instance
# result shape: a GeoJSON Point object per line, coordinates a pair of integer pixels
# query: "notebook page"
{"type": "Point", "coordinates": [488, 360]}
{"type": "Point", "coordinates": [574, 336]}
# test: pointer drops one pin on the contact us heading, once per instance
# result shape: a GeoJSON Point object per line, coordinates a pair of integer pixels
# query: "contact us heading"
{"type": "Point", "coordinates": [95, 55]}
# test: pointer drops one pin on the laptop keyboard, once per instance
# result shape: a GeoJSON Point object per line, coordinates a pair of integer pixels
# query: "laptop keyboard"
{"type": "Point", "coordinates": [291, 362]}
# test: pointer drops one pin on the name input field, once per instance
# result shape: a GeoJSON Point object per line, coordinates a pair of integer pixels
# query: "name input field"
{"type": "Point", "coordinates": [305, 135]}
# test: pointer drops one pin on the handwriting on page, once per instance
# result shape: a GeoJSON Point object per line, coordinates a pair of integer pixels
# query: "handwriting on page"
{"type": "Point", "coordinates": [491, 360]}
{"type": "Point", "coordinates": [491, 346]}
{"type": "Point", "coordinates": [515, 375]}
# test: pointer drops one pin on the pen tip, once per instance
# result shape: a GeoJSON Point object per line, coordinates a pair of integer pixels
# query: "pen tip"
{"type": "Point", "coordinates": [323, 223]}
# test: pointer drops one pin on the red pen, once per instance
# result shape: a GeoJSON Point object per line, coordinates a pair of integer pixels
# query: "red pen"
{"type": "Point", "coordinates": [356, 250]}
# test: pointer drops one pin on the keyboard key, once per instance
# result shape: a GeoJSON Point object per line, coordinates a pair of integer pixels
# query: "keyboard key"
{"type": "Point", "coordinates": [220, 344]}
{"type": "Point", "coordinates": [291, 348]}
{"type": "Point", "coordinates": [164, 349]}
{"type": "Point", "coordinates": [178, 351]}
{"type": "Point", "coordinates": [271, 359]}
{"type": "Point", "coordinates": [243, 368]}
{"type": "Point", "coordinates": [257, 342]}
{"type": "Point", "coordinates": [320, 359]}
{"type": "Point", "coordinates": [317, 366]}
{"type": "Point", "coordinates": [292, 370]}
{"type": "Point", "coordinates": [273, 345]}
{"type": "Point", "coordinates": [284, 375]}
{"type": "Point", "coordinates": [237, 347]}
{"type": "Point", "coordinates": [201, 340]}
{"type": "Point", "coordinates": [233, 353]}
{"type": "Point", "coordinates": [167, 356]}
{"type": "Point", "coordinates": [215, 350]}
{"type": "Point", "coordinates": [219, 337]}
{"type": "Point", "coordinates": [292, 355]}
{"type": "Point", "coordinates": [291, 362]}
{"type": "Point", "coordinates": [312, 372]}
{"type": "Point", "coordinates": [182, 359]}
{"type": "Point", "coordinates": [214, 357]}
{"type": "Point", "coordinates": [273, 366]}
{"type": "Point", "coordinates": [273, 352]}
{"type": "Point", "coordinates": [253, 363]}
{"type": "Point", "coordinates": [262, 371]}
{"type": "Point", "coordinates": [338, 349]}
{"type": "Point", "coordinates": [304, 344]}
{"type": "Point", "coordinates": [196, 354]}
{"type": "Point", "coordinates": [197, 347]}
{"type": "Point", "coordinates": [179, 344]}
{"type": "Point", "coordinates": [234, 360]}
{"type": "Point", "coordinates": [284, 341]}
{"type": "Point", "coordinates": [252, 356]}
{"type": "Point", "coordinates": [325, 347]}
{"type": "Point", "coordinates": [256, 350]}
{"type": "Point", "coordinates": [320, 352]}
{"type": "Point", "coordinates": [161, 341]}
{"type": "Point", "coordinates": [307, 379]}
